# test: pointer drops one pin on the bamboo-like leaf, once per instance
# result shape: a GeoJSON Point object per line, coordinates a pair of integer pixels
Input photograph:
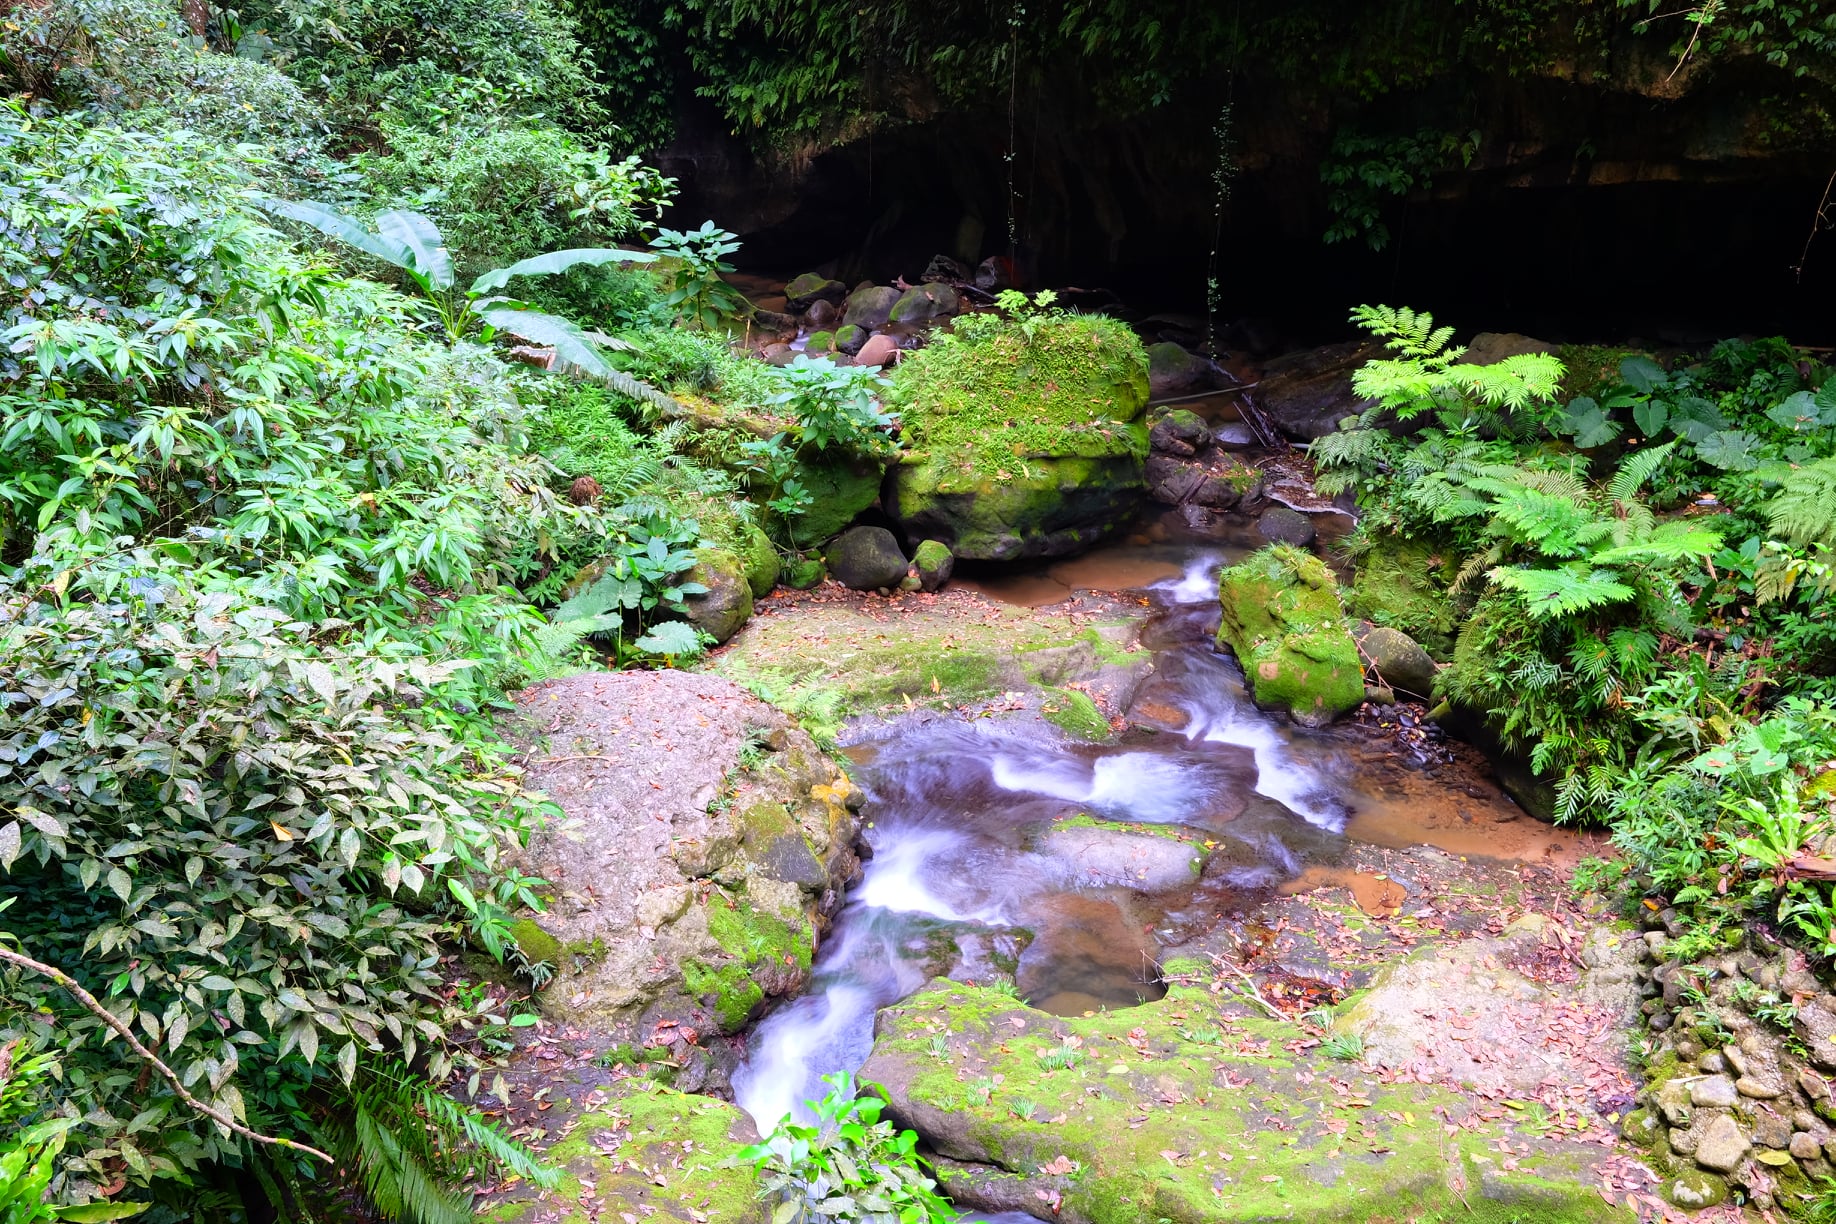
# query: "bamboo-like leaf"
{"type": "Point", "coordinates": [423, 242]}
{"type": "Point", "coordinates": [334, 224]}
{"type": "Point", "coordinates": [558, 261]}
{"type": "Point", "coordinates": [551, 331]}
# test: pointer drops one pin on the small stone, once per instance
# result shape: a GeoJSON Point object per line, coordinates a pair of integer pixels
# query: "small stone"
{"type": "Point", "coordinates": [1641, 1127]}
{"type": "Point", "coordinates": [878, 351]}
{"type": "Point", "coordinates": [866, 559]}
{"type": "Point", "coordinates": [1713, 1092]}
{"type": "Point", "coordinates": [1737, 1059]}
{"type": "Point", "coordinates": [1770, 1130]}
{"type": "Point", "coordinates": [1683, 1140]}
{"type": "Point", "coordinates": [1829, 1148]}
{"type": "Point", "coordinates": [1760, 1088]}
{"type": "Point", "coordinates": [1723, 1146]}
{"type": "Point", "coordinates": [1673, 1102]}
{"type": "Point", "coordinates": [911, 582]}
{"type": "Point", "coordinates": [1660, 1021]}
{"type": "Point", "coordinates": [1695, 1189]}
{"type": "Point", "coordinates": [1805, 1120]}
{"type": "Point", "coordinates": [1655, 942]}
{"type": "Point", "coordinates": [1814, 1085]}
{"type": "Point", "coordinates": [1712, 1063]}
{"type": "Point", "coordinates": [1767, 976]}
{"type": "Point", "coordinates": [934, 562]}
{"type": "Point", "coordinates": [1804, 1146]}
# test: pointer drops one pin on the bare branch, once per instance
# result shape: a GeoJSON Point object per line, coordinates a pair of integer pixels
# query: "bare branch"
{"type": "Point", "coordinates": [94, 1005]}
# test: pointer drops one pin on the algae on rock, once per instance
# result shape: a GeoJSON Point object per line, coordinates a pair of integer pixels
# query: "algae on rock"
{"type": "Point", "coordinates": [1283, 621]}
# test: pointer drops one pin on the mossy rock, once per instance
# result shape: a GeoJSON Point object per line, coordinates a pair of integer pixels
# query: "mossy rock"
{"type": "Point", "coordinates": [1402, 584]}
{"type": "Point", "coordinates": [804, 573]}
{"type": "Point", "coordinates": [1074, 713]}
{"type": "Point", "coordinates": [760, 558]}
{"type": "Point", "coordinates": [537, 946]}
{"type": "Point", "coordinates": [760, 952]}
{"type": "Point", "coordinates": [609, 1152]}
{"type": "Point", "coordinates": [840, 485]}
{"type": "Point", "coordinates": [934, 562]}
{"type": "Point", "coordinates": [1282, 619]}
{"type": "Point", "coordinates": [1026, 440]}
{"type": "Point", "coordinates": [727, 603]}
{"type": "Point", "coordinates": [849, 337]}
{"type": "Point", "coordinates": [1042, 507]}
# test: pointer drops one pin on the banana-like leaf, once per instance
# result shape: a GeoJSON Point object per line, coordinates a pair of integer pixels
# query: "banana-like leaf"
{"type": "Point", "coordinates": [551, 331]}
{"type": "Point", "coordinates": [557, 261]}
{"type": "Point", "coordinates": [334, 224]}
{"type": "Point", "coordinates": [98, 1211]}
{"type": "Point", "coordinates": [423, 241]}
{"type": "Point", "coordinates": [576, 352]}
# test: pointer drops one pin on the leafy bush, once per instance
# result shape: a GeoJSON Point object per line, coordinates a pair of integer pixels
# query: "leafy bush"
{"type": "Point", "coordinates": [834, 404]}
{"type": "Point", "coordinates": [851, 1165]}
{"type": "Point", "coordinates": [698, 257]}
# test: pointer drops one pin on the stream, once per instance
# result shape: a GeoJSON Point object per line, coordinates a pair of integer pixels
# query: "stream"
{"type": "Point", "coordinates": [999, 851]}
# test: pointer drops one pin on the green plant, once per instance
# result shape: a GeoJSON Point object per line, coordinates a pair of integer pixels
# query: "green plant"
{"type": "Point", "coordinates": [1345, 1047]}
{"type": "Point", "coordinates": [834, 404]}
{"type": "Point", "coordinates": [1060, 1058]}
{"type": "Point", "coordinates": [851, 1165]}
{"type": "Point", "coordinates": [697, 294]}
{"type": "Point", "coordinates": [1022, 1108]}
{"type": "Point", "coordinates": [409, 241]}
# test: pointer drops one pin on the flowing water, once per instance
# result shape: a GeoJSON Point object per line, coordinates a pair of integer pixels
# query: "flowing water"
{"type": "Point", "coordinates": [1001, 853]}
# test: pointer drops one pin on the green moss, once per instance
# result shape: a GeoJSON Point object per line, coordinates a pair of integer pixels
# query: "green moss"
{"type": "Point", "coordinates": [537, 946]}
{"type": "Point", "coordinates": [1169, 1127]}
{"type": "Point", "coordinates": [1402, 583]}
{"type": "Point", "coordinates": [1591, 368]}
{"type": "Point", "coordinates": [1282, 619]}
{"type": "Point", "coordinates": [670, 1155]}
{"type": "Point", "coordinates": [804, 573]}
{"type": "Point", "coordinates": [752, 940]}
{"type": "Point", "coordinates": [759, 556]}
{"type": "Point", "coordinates": [997, 392]}
{"type": "Point", "coordinates": [820, 342]}
{"type": "Point", "coordinates": [1075, 714]}
{"type": "Point", "coordinates": [840, 485]}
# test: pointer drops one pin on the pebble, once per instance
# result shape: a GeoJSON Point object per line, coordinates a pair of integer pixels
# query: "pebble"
{"type": "Point", "coordinates": [1805, 1120]}
{"type": "Point", "coordinates": [1804, 1146]}
{"type": "Point", "coordinates": [1760, 1089]}
{"type": "Point", "coordinates": [1713, 1063]}
{"type": "Point", "coordinates": [1714, 1092]}
{"type": "Point", "coordinates": [1770, 1130]}
{"type": "Point", "coordinates": [1723, 1146]}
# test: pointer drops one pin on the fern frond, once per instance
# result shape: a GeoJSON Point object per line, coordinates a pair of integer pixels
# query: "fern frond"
{"type": "Point", "coordinates": [1805, 509]}
{"type": "Point", "coordinates": [1636, 470]}
{"type": "Point", "coordinates": [1475, 565]}
{"type": "Point", "coordinates": [1554, 526]}
{"type": "Point", "coordinates": [486, 1138]}
{"type": "Point", "coordinates": [1677, 541]}
{"type": "Point", "coordinates": [1560, 592]}
{"type": "Point", "coordinates": [1408, 332]}
{"type": "Point", "coordinates": [402, 1187]}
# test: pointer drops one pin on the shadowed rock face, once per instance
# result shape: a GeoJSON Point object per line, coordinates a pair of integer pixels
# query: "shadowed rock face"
{"type": "Point", "coordinates": [704, 841]}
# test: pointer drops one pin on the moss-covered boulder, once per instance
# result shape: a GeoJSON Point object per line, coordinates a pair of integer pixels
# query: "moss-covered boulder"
{"type": "Point", "coordinates": [866, 559]}
{"type": "Point", "coordinates": [805, 572]}
{"type": "Point", "coordinates": [840, 486]}
{"type": "Point", "coordinates": [870, 306]}
{"type": "Point", "coordinates": [810, 288]}
{"type": "Point", "coordinates": [819, 343]}
{"type": "Point", "coordinates": [1399, 661]}
{"type": "Point", "coordinates": [924, 304]}
{"type": "Point", "coordinates": [1282, 619]}
{"type": "Point", "coordinates": [1025, 437]}
{"type": "Point", "coordinates": [705, 840]}
{"type": "Point", "coordinates": [760, 558]}
{"type": "Point", "coordinates": [720, 610]}
{"type": "Point", "coordinates": [1402, 583]}
{"type": "Point", "coordinates": [934, 562]}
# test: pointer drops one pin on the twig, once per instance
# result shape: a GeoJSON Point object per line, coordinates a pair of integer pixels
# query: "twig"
{"type": "Point", "coordinates": [1197, 395]}
{"type": "Point", "coordinates": [1818, 220]}
{"type": "Point", "coordinates": [1249, 984]}
{"type": "Point", "coordinates": [113, 1021]}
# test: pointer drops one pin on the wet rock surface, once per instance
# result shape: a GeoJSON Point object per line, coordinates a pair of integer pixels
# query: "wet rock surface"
{"type": "Point", "coordinates": [689, 884]}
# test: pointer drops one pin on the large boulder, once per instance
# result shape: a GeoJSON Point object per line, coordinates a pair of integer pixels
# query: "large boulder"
{"type": "Point", "coordinates": [866, 559]}
{"type": "Point", "coordinates": [1174, 371]}
{"type": "Point", "coordinates": [1307, 394]}
{"type": "Point", "coordinates": [870, 307]}
{"type": "Point", "coordinates": [1282, 619]}
{"type": "Point", "coordinates": [1490, 348]}
{"type": "Point", "coordinates": [840, 486]}
{"type": "Point", "coordinates": [692, 873]}
{"type": "Point", "coordinates": [1024, 441]}
{"type": "Point", "coordinates": [727, 602]}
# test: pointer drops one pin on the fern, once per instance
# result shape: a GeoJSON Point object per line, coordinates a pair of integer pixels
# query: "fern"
{"type": "Point", "coordinates": [556, 647]}
{"type": "Point", "coordinates": [1410, 333]}
{"type": "Point", "coordinates": [1564, 591]}
{"type": "Point", "coordinates": [1636, 471]}
{"type": "Point", "coordinates": [1804, 511]}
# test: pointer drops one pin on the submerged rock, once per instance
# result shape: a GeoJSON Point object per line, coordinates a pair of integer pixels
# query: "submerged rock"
{"type": "Point", "coordinates": [727, 602]}
{"type": "Point", "coordinates": [1282, 619]}
{"type": "Point", "coordinates": [637, 761]}
{"type": "Point", "coordinates": [866, 559]}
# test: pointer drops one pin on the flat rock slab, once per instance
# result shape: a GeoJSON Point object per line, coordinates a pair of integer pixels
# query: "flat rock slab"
{"type": "Point", "coordinates": [1175, 1111]}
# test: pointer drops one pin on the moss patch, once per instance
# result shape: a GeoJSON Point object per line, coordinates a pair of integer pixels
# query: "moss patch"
{"type": "Point", "coordinates": [1402, 583]}
{"type": "Point", "coordinates": [648, 1151]}
{"type": "Point", "coordinates": [1075, 714]}
{"type": "Point", "coordinates": [756, 945]}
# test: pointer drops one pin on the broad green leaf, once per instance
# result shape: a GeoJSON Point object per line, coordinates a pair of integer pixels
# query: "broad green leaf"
{"type": "Point", "coordinates": [320, 679]}
{"type": "Point", "coordinates": [9, 844]}
{"type": "Point", "coordinates": [1650, 416]}
{"type": "Point", "coordinates": [551, 331]}
{"type": "Point", "coordinates": [1731, 450]}
{"type": "Point", "coordinates": [1643, 374]}
{"type": "Point", "coordinates": [348, 230]}
{"type": "Point", "coordinates": [557, 261]}
{"type": "Point", "coordinates": [422, 240]}
{"type": "Point", "coordinates": [1798, 413]}
{"type": "Point", "coordinates": [1695, 418]}
{"type": "Point", "coordinates": [88, 1213]}
{"type": "Point", "coordinates": [671, 638]}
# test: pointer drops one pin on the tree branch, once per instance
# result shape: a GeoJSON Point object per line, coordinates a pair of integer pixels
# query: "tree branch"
{"type": "Point", "coordinates": [94, 1005]}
